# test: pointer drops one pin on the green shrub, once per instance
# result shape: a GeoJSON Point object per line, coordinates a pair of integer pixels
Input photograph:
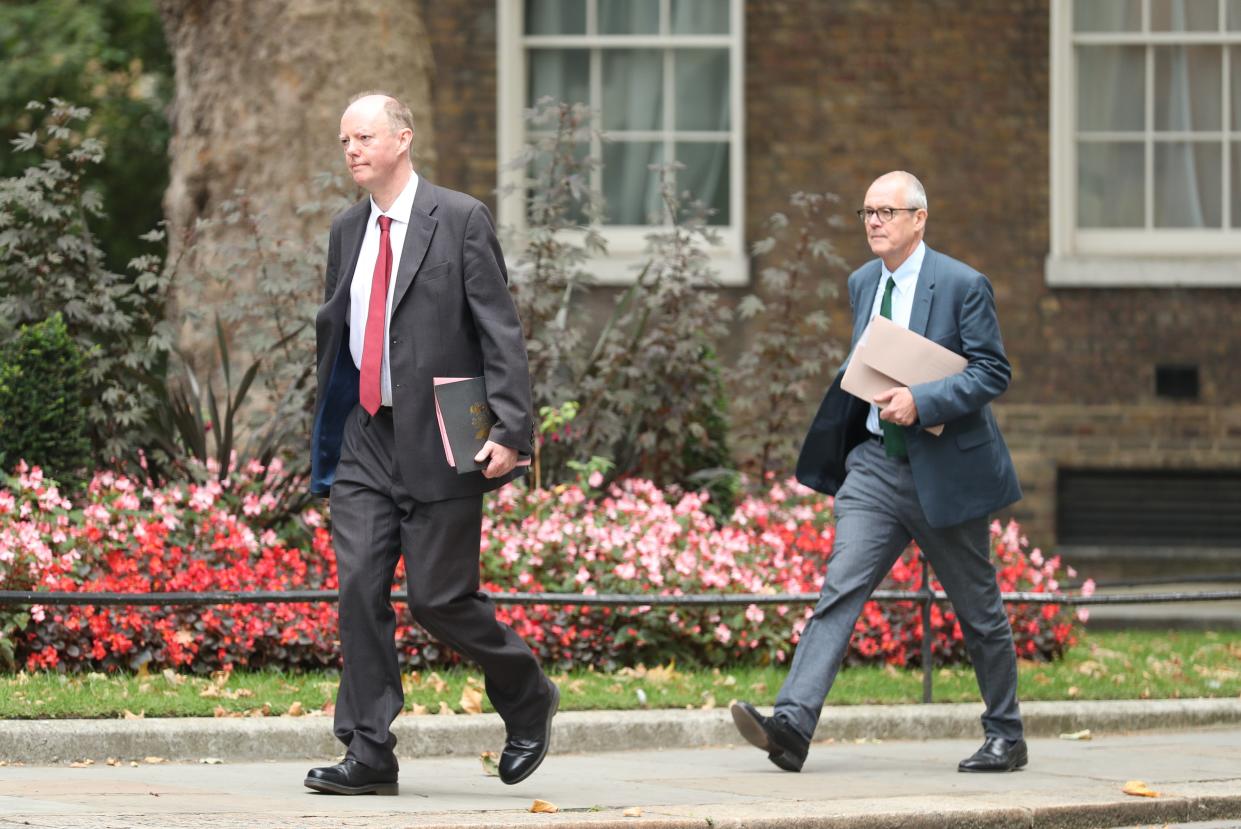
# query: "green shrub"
{"type": "Point", "coordinates": [51, 262]}
{"type": "Point", "coordinates": [42, 412]}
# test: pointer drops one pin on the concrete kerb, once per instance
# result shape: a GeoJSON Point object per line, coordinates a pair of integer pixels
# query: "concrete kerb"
{"type": "Point", "coordinates": [42, 742]}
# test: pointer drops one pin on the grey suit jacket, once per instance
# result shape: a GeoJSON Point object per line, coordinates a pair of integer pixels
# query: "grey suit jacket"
{"type": "Point", "coordinates": [452, 316]}
{"type": "Point", "coordinates": [967, 471]}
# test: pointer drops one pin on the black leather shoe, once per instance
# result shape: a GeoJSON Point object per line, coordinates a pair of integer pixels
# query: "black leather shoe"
{"type": "Point", "coordinates": [784, 746]}
{"type": "Point", "coordinates": [997, 754]}
{"type": "Point", "coordinates": [522, 755]}
{"type": "Point", "coordinates": [351, 777]}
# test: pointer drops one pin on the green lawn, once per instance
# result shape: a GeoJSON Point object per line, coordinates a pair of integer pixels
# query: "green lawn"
{"type": "Point", "coordinates": [1129, 665]}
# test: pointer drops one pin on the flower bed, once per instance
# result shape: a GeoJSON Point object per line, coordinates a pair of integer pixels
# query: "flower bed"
{"type": "Point", "coordinates": [636, 538]}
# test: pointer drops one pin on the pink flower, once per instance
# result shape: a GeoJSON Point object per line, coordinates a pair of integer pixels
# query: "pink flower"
{"type": "Point", "coordinates": [1083, 614]}
{"type": "Point", "coordinates": [1088, 587]}
{"type": "Point", "coordinates": [595, 480]}
{"type": "Point", "coordinates": [722, 633]}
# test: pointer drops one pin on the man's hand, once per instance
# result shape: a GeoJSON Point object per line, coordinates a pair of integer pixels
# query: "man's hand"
{"type": "Point", "coordinates": [897, 406]}
{"type": "Point", "coordinates": [502, 459]}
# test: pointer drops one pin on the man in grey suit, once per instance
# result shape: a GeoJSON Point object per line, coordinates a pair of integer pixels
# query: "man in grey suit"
{"type": "Point", "coordinates": [416, 289]}
{"type": "Point", "coordinates": [894, 482]}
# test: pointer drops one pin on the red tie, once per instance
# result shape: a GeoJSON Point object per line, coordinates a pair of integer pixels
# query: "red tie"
{"type": "Point", "coordinates": [376, 312]}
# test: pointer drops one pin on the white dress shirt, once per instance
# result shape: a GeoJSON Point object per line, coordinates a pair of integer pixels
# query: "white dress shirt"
{"type": "Point", "coordinates": [363, 275]}
{"type": "Point", "coordinates": [906, 276]}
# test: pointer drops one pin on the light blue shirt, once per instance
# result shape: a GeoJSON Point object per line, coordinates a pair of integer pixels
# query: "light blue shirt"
{"type": "Point", "coordinates": [906, 276]}
{"type": "Point", "coordinates": [363, 275]}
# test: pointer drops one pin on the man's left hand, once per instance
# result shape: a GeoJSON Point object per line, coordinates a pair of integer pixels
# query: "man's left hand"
{"type": "Point", "coordinates": [500, 460]}
{"type": "Point", "coordinates": [897, 406]}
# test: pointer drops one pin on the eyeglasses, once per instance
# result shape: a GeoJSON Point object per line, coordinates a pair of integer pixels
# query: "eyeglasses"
{"type": "Point", "coordinates": [885, 214]}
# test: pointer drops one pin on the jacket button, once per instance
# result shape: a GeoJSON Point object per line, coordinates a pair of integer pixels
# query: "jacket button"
{"type": "Point", "coordinates": [396, 340]}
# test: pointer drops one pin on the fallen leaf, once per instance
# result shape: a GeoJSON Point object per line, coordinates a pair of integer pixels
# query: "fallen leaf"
{"type": "Point", "coordinates": [133, 764]}
{"type": "Point", "coordinates": [471, 700]}
{"type": "Point", "coordinates": [632, 811]}
{"type": "Point", "coordinates": [113, 761]}
{"type": "Point", "coordinates": [491, 763]}
{"type": "Point", "coordinates": [445, 709]}
{"type": "Point", "coordinates": [172, 677]}
{"type": "Point", "coordinates": [641, 697]}
{"type": "Point", "coordinates": [296, 710]}
{"type": "Point", "coordinates": [1137, 788]}
{"type": "Point", "coordinates": [1073, 691]}
{"type": "Point", "coordinates": [153, 761]}
{"type": "Point", "coordinates": [1084, 734]}
{"type": "Point", "coordinates": [542, 806]}
{"type": "Point", "coordinates": [418, 710]}
{"type": "Point", "coordinates": [220, 711]}
{"type": "Point", "coordinates": [81, 764]}
{"type": "Point", "coordinates": [437, 683]}
{"type": "Point", "coordinates": [126, 714]}
{"type": "Point", "coordinates": [708, 701]}
{"type": "Point", "coordinates": [211, 761]}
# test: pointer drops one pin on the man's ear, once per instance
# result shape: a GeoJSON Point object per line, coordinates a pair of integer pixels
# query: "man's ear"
{"type": "Point", "coordinates": [407, 139]}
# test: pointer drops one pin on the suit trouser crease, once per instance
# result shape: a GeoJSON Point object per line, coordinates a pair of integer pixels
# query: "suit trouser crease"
{"type": "Point", "coordinates": [877, 514]}
{"type": "Point", "coordinates": [373, 519]}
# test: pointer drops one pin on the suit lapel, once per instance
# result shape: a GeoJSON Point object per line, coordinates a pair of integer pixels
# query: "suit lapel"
{"type": "Point", "coordinates": [866, 298]}
{"type": "Point", "coordinates": [351, 233]}
{"type": "Point", "coordinates": [417, 239]}
{"type": "Point", "coordinates": [921, 311]}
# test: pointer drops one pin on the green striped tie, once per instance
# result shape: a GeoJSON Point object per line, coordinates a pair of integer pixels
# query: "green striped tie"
{"type": "Point", "coordinates": [893, 434]}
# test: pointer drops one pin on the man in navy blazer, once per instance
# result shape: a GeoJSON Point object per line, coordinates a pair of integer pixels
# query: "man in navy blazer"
{"type": "Point", "coordinates": [895, 482]}
{"type": "Point", "coordinates": [416, 289]}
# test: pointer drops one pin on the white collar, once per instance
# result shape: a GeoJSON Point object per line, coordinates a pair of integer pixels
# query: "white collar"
{"type": "Point", "coordinates": [906, 273]}
{"type": "Point", "coordinates": [402, 207]}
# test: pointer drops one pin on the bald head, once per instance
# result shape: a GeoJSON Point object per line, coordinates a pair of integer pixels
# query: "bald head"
{"type": "Point", "coordinates": [398, 114]}
{"type": "Point", "coordinates": [915, 193]}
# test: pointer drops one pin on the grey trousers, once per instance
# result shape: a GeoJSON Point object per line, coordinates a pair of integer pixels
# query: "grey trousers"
{"type": "Point", "coordinates": [374, 520]}
{"type": "Point", "coordinates": [877, 513]}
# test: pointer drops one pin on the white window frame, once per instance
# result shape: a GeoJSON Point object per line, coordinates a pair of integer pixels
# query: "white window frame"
{"type": "Point", "coordinates": [625, 244]}
{"type": "Point", "coordinates": [1131, 257]}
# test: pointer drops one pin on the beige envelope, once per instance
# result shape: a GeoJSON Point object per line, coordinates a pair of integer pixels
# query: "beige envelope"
{"type": "Point", "coordinates": [888, 355]}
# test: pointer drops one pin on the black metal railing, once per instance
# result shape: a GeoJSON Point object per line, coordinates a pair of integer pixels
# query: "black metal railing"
{"type": "Point", "coordinates": [925, 597]}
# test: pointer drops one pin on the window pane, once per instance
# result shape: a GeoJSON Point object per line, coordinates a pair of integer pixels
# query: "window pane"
{"type": "Point", "coordinates": [1236, 184]}
{"type": "Point", "coordinates": [628, 17]}
{"type": "Point", "coordinates": [1184, 15]}
{"type": "Point", "coordinates": [702, 89]}
{"type": "Point", "coordinates": [1234, 16]}
{"type": "Point", "coordinates": [633, 89]}
{"type": "Point", "coordinates": [1235, 58]}
{"type": "Point", "coordinates": [1187, 184]}
{"type": "Point", "coordinates": [564, 74]}
{"type": "Point", "coordinates": [1187, 87]}
{"type": "Point", "coordinates": [1111, 93]}
{"type": "Point", "coordinates": [706, 176]}
{"type": "Point", "coordinates": [1111, 187]}
{"type": "Point", "coordinates": [630, 189]}
{"type": "Point", "coordinates": [555, 17]}
{"type": "Point", "coordinates": [700, 17]}
{"type": "Point", "coordinates": [1107, 16]}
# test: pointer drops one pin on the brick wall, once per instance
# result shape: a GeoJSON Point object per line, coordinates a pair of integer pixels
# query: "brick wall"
{"type": "Point", "coordinates": [955, 91]}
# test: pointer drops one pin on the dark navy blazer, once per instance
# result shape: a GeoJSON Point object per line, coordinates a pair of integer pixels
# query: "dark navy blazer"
{"type": "Point", "coordinates": [966, 472]}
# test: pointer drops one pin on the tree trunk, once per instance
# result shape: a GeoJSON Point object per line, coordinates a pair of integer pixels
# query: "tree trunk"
{"type": "Point", "coordinates": [260, 87]}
